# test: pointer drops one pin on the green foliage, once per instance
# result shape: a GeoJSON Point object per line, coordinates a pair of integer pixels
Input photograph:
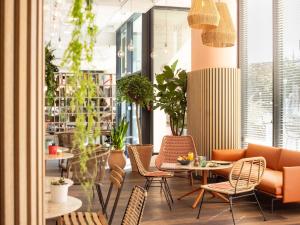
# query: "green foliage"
{"type": "Point", "coordinates": [50, 71]}
{"type": "Point", "coordinates": [118, 134]}
{"type": "Point", "coordinates": [136, 89]}
{"type": "Point", "coordinates": [82, 85]}
{"type": "Point", "coordinates": [170, 93]}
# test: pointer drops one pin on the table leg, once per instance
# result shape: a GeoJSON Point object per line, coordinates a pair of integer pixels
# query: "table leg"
{"type": "Point", "coordinates": [203, 182]}
{"type": "Point", "coordinates": [189, 193]}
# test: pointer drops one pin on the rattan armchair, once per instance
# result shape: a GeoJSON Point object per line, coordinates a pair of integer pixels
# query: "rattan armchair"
{"type": "Point", "coordinates": [172, 147]}
{"type": "Point", "coordinates": [95, 165]}
{"type": "Point", "coordinates": [245, 175]}
{"type": "Point", "coordinates": [154, 177]}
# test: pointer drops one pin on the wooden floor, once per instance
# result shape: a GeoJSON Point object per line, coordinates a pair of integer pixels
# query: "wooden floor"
{"type": "Point", "coordinates": [157, 212]}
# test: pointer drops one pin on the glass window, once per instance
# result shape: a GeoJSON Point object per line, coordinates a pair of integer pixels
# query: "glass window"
{"type": "Point", "coordinates": [290, 76]}
{"type": "Point", "coordinates": [137, 44]}
{"type": "Point", "coordinates": [171, 41]}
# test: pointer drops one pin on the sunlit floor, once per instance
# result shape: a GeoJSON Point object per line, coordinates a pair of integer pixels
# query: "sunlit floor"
{"type": "Point", "coordinates": [157, 211]}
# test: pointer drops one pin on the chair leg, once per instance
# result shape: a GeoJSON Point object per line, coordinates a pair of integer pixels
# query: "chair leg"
{"type": "Point", "coordinates": [259, 206]}
{"type": "Point", "coordinates": [200, 205]}
{"type": "Point", "coordinates": [231, 209]}
{"type": "Point", "coordinates": [166, 196]}
{"type": "Point", "coordinates": [168, 189]}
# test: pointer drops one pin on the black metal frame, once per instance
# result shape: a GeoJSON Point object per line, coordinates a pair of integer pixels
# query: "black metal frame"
{"type": "Point", "coordinates": [236, 196]}
{"type": "Point", "coordinates": [105, 204]}
{"type": "Point", "coordinates": [164, 187]}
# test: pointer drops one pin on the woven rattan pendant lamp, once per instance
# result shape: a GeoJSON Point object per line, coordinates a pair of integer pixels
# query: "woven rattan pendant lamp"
{"type": "Point", "coordinates": [203, 15]}
{"type": "Point", "coordinates": [224, 35]}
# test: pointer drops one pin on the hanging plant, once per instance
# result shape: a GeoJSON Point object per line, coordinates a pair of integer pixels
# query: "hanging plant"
{"type": "Point", "coordinates": [170, 93]}
{"type": "Point", "coordinates": [83, 88]}
{"type": "Point", "coordinates": [50, 70]}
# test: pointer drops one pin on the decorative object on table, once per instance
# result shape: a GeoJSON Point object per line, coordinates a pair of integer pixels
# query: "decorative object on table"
{"type": "Point", "coordinates": [196, 161]}
{"type": "Point", "coordinates": [52, 149]}
{"type": "Point", "coordinates": [170, 96]}
{"type": "Point", "coordinates": [159, 177]}
{"type": "Point", "coordinates": [59, 191]}
{"type": "Point", "coordinates": [118, 135]}
{"type": "Point", "coordinates": [203, 161]}
{"type": "Point", "coordinates": [172, 147]}
{"type": "Point", "coordinates": [245, 176]}
{"type": "Point", "coordinates": [183, 160]}
{"type": "Point", "coordinates": [203, 15]}
{"type": "Point", "coordinates": [137, 89]}
{"type": "Point", "coordinates": [224, 35]}
{"type": "Point", "coordinates": [83, 90]}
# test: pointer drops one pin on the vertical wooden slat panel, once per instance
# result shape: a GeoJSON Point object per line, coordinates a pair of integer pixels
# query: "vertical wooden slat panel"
{"type": "Point", "coordinates": [214, 109]}
{"type": "Point", "coordinates": [21, 116]}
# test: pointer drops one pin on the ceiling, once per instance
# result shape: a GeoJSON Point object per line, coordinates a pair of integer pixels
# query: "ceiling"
{"type": "Point", "coordinates": [110, 15]}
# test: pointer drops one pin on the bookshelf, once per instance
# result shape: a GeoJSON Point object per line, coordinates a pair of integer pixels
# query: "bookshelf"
{"type": "Point", "coordinates": [60, 118]}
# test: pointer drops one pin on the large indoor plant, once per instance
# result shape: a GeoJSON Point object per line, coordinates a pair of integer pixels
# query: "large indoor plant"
{"type": "Point", "coordinates": [170, 96]}
{"type": "Point", "coordinates": [50, 70]}
{"type": "Point", "coordinates": [83, 89]}
{"type": "Point", "coordinates": [118, 135]}
{"type": "Point", "coordinates": [137, 89]}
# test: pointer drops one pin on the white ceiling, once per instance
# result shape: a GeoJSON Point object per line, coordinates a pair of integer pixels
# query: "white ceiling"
{"type": "Point", "coordinates": [110, 15]}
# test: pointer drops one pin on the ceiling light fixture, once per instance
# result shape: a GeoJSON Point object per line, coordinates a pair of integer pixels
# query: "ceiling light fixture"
{"type": "Point", "coordinates": [203, 15]}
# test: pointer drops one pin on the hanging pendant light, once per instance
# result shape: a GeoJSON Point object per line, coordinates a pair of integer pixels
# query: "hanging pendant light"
{"type": "Point", "coordinates": [224, 35]}
{"type": "Point", "coordinates": [203, 15]}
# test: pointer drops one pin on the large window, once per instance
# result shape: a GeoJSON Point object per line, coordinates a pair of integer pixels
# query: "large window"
{"type": "Point", "coordinates": [270, 65]}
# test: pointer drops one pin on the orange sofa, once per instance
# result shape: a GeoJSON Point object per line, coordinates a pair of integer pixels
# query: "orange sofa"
{"type": "Point", "coordinates": [281, 179]}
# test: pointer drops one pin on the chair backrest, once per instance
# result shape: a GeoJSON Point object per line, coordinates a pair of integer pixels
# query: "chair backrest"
{"type": "Point", "coordinates": [174, 146]}
{"type": "Point", "coordinates": [135, 207]}
{"type": "Point", "coordinates": [247, 173]}
{"type": "Point", "coordinates": [138, 161]}
{"type": "Point", "coordinates": [95, 166]}
{"type": "Point", "coordinates": [116, 178]}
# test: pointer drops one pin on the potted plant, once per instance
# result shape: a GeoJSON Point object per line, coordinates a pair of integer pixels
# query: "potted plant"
{"type": "Point", "coordinates": [170, 96]}
{"type": "Point", "coordinates": [59, 191]}
{"type": "Point", "coordinates": [118, 134]}
{"type": "Point", "coordinates": [138, 90]}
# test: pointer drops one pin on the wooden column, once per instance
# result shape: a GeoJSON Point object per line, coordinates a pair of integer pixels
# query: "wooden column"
{"type": "Point", "coordinates": [21, 112]}
{"type": "Point", "coordinates": [214, 117]}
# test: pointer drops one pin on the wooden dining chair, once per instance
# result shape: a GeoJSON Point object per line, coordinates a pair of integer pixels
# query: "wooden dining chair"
{"type": "Point", "coordinates": [171, 148]}
{"type": "Point", "coordinates": [117, 177]}
{"type": "Point", "coordinates": [132, 216]}
{"type": "Point", "coordinates": [154, 177]}
{"type": "Point", "coordinates": [245, 175]}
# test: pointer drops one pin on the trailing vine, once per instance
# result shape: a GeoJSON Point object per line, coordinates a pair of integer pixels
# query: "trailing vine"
{"type": "Point", "coordinates": [50, 71]}
{"type": "Point", "coordinates": [83, 88]}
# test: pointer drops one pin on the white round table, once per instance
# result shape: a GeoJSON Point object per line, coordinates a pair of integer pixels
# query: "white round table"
{"type": "Point", "coordinates": [49, 179]}
{"type": "Point", "coordinates": [53, 210]}
{"type": "Point", "coordinates": [60, 156]}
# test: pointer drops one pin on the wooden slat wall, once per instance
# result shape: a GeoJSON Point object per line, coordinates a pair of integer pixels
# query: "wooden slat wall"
{"type": "Point", "coordinates": [214, 117]}
{"type": "Point", "coordinates": [21, 112]}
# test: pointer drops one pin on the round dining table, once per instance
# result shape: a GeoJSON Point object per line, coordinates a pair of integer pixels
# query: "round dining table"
{"type": "Point", "coordinates": [60, 156]}
{"type": "Point", "coordinates": [53, 210]}
{"type": "Point", "coordinates": [220, 165]}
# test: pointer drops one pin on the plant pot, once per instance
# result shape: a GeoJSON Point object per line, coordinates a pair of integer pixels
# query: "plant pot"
{"type": "Point", "coordinates": [117, 158]}
{"type": "Point", "coordinates": [52, 149]}
{"type": "Point", "coordinates": [59, 193]}
{"type": "Point", "coordinates": [145, 153]}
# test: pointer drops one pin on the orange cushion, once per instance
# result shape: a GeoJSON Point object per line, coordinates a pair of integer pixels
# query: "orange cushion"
{"type": "Point", "coordinates": [228, 154]}
{"type": "Point", "coordinates": [223, 172]}
{"type": "Point", "coordinates": [272, 182]}
{"type": "Point", "coordinates": [288, 158]}
{"type": "Point", "coordinates": [271, 154]}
